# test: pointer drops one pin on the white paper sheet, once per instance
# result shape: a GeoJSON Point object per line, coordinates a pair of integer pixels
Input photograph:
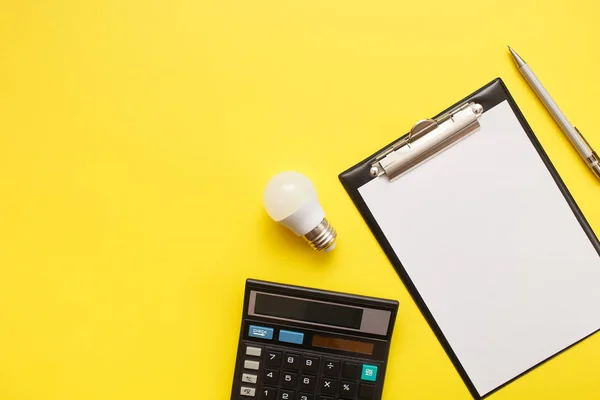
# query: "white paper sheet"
{"type": "Point", "coordinates": [494, 250]}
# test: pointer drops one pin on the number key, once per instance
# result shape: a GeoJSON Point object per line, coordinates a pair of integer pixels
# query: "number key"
{"type": "Point", "coordinates": [310, 364]}
{"type": "Point", "coordinates": [308, 383]}
{"type": "Point", "coordinates": [267, 393]}
{"type": "Point", "coordinates": [289, 380]}
{"type": "Point", "coordinates": [291, 361]}
{"type": "Point", "coordinates": [306, 396]}
{"type": "Point", "coordinates": [286, 395]}
{"type": "Point", "coordinates": [273, 358]}
{"type": "Point", "coordinates": [271, 377]}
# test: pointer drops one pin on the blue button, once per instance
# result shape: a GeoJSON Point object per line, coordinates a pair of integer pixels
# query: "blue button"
{"type": "Point", "coordinates": [369, 373]}
{"type": "Point", "coordinates": [291, 337]}
{"type": "Point", "coordinates": [260, 332]}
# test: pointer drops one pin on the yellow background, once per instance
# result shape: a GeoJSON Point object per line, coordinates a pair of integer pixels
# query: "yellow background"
{"type": "Point", "coordinates": [136, 138]}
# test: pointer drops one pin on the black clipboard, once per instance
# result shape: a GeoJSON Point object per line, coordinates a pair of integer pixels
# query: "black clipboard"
{"type": "Point", "coordinates": [360, 174]}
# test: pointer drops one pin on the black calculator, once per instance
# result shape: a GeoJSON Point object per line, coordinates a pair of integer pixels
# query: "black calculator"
{"type": "Point", "coordinates": [298, 343]}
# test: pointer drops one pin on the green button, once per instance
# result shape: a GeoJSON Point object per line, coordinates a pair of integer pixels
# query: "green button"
{"type": "Point", "coordinates": [369, 373]}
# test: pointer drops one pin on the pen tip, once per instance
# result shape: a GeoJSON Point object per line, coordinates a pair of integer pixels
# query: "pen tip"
{"type": "Point", "coordinates": [518, 60]}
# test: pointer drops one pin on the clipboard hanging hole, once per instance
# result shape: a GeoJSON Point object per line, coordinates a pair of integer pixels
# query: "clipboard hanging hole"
{"type": "Point", "coordinates": [421, 128]}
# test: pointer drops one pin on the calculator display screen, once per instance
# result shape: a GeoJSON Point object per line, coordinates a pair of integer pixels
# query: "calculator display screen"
{"type": "Point", "coordinates": [343, 344]}
{"type": "Point", "coordinates": [308, 311]}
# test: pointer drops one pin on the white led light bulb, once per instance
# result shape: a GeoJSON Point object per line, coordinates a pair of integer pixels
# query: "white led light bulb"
{"type": "Point", "coordinates": [291, 199]}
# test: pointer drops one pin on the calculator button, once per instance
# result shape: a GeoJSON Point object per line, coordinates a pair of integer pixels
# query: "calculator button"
{"type": "Point", "coordinates": [329, 386]}
{"type": "Point", "coordinates": [273, 358]}
{"type": "Point", "coordinates": [369, 373]}
{"type": "Point", "coordinates": [260, 332]}
{"type": "Point", "coordinates": [249, 364]}
{"type": "Point", "coordinates": [306, 396]}
{"type": "Point", "coordinates": [310, 364]}
{"type": "Point", "coordinates": [351, 371]}
{"type": "Point", "coordinates": [249, 378]}
{"type": "Point", "coordinates": [291, 361]}
{"type": "Point", "coordinates": [247, 391]}
{"type": "Point", "coordinates": [289, 380]}
{"type": "Point", "coordinates": [331, 367]}
{"type": "Point", "coordinates": [267, 393]}
{"type": "Point", "coordinates": [286, 395]}
{"type": "Point", "coordinates": [325, 398]}
{"type": "Point", "coordinates": [308, 383]}
{"type": "Point", "coordinates": [271, 377]}
{"type": "Point", "coordinates": [253, 351]}
{"type": "Point", "coordinates": [291, 337]}
{"type": "Point", "coordinates": [348, 389]}
{"type": "Point", "coordinates": [366, 392]}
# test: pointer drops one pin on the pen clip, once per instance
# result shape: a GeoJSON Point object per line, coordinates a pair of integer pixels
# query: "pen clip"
{"type": "Point", "coordinates": [593, 159]}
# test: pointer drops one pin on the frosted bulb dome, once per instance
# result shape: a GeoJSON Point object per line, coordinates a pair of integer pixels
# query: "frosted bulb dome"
{"type": "Point", "coordinates": [290, 199]}
{"type": "Point", "coordinates": [286, 193]}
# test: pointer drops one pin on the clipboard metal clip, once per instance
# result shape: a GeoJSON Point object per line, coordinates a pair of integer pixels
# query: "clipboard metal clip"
{"type": "Point", "coordinates": [426, 139]}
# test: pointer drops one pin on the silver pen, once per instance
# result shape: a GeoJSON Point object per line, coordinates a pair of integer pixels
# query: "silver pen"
{"type": "Point", "coordinates": [583, 147]}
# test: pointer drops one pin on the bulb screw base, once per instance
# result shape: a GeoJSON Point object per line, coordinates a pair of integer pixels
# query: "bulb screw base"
{"type": "Point", "coordinates": [322, 237]}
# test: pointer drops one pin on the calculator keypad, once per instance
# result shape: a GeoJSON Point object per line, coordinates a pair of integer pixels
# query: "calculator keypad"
{"type": "Point", "coordinates": [351, 371]}
{"type": "Point", "coordinates": [268, 393]}
{"type": "Point", "coordinates": [331, 367]}
{"type": "Point", "coordinates": [329, 386]}
{"type": "Point", "coordinates": [271, 377]}
{"type": "Point", "coordinates": [291, 361]}
{"type": "Point", "coordinates": [348, 389]}
{"type": "Point", "coordinates": [308, 383]}
{"type": "Point", "coordinates": [310, 364]}
{"type": "Point", "coordinates": [253, 365]}
{"type": "Point", "coordinates": [249, 378]}
{"type": "Point", "coordinates": [273, 359]}
{"type": "Point", "coordinates": [274, 374]}
{"type": "Point", "coordinates": [248, 391]}
{"type": "Point", "coordinates": [366, 392]}
{"type": "Point", "coordinates": [290, 380]}
{"type": "Point", "coordinates": [253, 351]}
